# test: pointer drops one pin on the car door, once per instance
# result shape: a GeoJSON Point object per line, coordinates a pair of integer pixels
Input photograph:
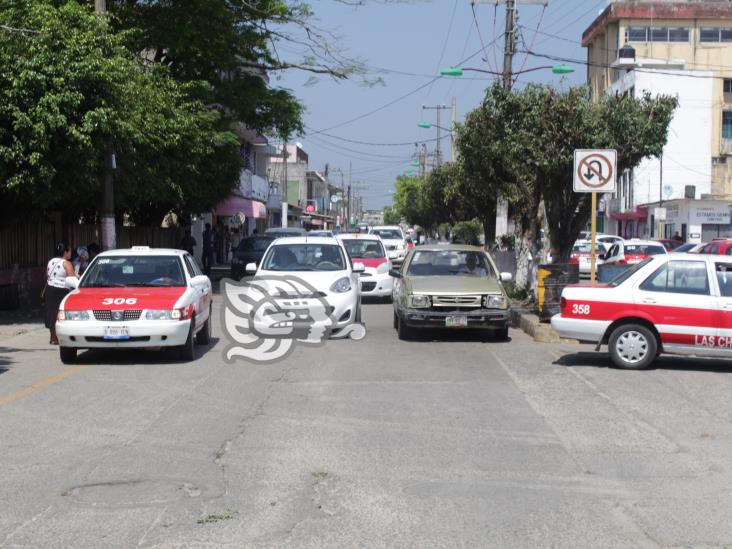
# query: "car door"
{"type": "Point", "coordinates": [202, 291]}
{"type": "Point", "coordinates": [723, 277]}
{"type": "Point", "coordinates": [678, 299]}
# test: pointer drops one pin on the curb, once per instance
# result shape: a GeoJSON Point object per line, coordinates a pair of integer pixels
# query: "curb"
{"type": "Point", "coordinates": [539, 331]}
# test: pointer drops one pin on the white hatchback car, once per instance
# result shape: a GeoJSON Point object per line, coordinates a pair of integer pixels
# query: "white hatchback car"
{"type": "Point", "coordinates": [394, 242]}
{"type": "Point", "coordinates": [323, 264]}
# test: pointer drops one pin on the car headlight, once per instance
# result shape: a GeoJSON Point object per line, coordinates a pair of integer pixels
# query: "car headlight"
{"type": "Point", "coordinates": [73, 315]}
{"type": "Point", "coordinates": [341, 285]}
{"type": "Point", "coordinates": [163, 314]}
{"type": "Point", "coordinates": [419, 301]}
{"type": "Point", "coordinates": [383, 268]}
{"type": "Point", "coordinates": [495, 302]}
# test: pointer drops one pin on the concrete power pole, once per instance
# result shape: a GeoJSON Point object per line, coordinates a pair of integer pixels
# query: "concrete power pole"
{"type": "Point", "coordinates": [453, 152]}
{"type": "Point", "coordinates": [438, 152]}
{"type": "Point", "coordinates": [348, 203]}
{"type": "Point", "coordinates": [285, 204]}
{"type": "Point", "coordinates": [509, 43]}
{"type": "Point", "coordinates": [108, 227]}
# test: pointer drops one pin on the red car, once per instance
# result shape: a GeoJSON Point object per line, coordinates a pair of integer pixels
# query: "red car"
{"type": "Point", "coordinates": [722, 246]}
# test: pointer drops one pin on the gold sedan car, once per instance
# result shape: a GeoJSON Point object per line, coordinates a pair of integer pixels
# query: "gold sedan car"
{"type": "Point", "coordinates": [449, 287]}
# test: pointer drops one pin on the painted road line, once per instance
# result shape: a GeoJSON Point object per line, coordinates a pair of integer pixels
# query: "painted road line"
{"type": "Point", "coordinates": [41, 384]}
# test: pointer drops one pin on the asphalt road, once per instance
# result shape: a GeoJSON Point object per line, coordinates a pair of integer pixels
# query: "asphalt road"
{"type": "Point", "coordinates": [446, 442]}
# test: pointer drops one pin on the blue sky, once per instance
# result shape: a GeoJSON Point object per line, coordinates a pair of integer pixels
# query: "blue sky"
{"type": "Point", "coordinates": [419, 38]}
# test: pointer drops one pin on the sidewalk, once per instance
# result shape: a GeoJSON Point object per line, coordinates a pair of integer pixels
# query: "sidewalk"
{"type": "Point", "coordinates": [20, 321]}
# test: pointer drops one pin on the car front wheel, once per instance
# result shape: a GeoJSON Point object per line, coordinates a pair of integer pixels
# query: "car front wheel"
{"type": "Point", "coordinates": [403, 331]}
{"type": "Point", "coordinates": [67, 355]}
{"type": "Point", "coordinates": [203, 337]}
{"type": "Point", "coordinates": [632, 347]}
{"type": "Point", "coordinates": [187, 352]}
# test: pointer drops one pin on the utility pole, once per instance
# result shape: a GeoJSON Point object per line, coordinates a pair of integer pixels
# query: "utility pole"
{"type": "Point", "coordinates": [509, 43]}
{"type": "Point", "coordinates": [285, 205]}
{"type": "Point", "coordinates": [453, 155]}
{"type": "Point", "coordinates": [108, 228]}
{"type": "Point", "coordinates": [348, 204]}
{"type": "Point", "coordinates": [438, 152]}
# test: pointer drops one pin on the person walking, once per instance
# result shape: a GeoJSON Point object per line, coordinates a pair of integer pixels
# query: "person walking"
{"type": "Point", "coordinates": [82, 260]}
{"type": "Point", "coordinates": [187, 243]}
{"type": "Point", "coordinates": [208, 248]}
{"type": "Point", "coordinates": [235, 239]}
{"type": "Point", "coordinates": [58, 268]}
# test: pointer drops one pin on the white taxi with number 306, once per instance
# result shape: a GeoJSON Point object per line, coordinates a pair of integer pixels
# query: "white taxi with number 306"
{"type": "Point", "coordinates": [140, 297]}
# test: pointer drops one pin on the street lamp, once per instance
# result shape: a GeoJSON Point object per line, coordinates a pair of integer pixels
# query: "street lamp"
{"type": "Point", "coordinates": [458, 71]}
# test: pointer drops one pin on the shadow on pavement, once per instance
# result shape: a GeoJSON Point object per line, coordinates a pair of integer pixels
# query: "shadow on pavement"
{"type": "Point", "coordinates": [134, 357]}
{"type": "Point", "coordinates": [456, 336]}
{"type": "Point", "coordinates": [674, 363]}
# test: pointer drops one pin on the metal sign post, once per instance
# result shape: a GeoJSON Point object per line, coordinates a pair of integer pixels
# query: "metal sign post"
{"type": "Point", "coordinates": [594, 172]}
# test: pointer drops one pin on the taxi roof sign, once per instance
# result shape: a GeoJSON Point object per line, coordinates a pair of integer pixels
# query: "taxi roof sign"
{"type": "Point", "coordinates": [140, 248]}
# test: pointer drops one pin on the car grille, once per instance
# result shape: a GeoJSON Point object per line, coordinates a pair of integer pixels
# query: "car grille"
{"type": "Point", "coordinates": [391, 248]}
{"type": "Point", "coordinates": [130, 314]}
{"type": "Point", "coordinates": [368, 286]}
{"type": "Point", "coordinates": [441, 301]}
{"type": "Point", "coordinates": [96, 339]}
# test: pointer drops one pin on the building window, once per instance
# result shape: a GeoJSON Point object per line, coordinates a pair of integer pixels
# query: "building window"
{"type": "Point", "coordinates": [715, 34]}
{"type": "Point", "coordinates": [727, 124]}
{"type": "Point", "coordinates": [678, 35]}
{"type": "Point", "coordinates": [637, 34]}
{"type": "Point", "coordinates": [659, 34]}
{"type": "Point", "coordinates": [727, 85]}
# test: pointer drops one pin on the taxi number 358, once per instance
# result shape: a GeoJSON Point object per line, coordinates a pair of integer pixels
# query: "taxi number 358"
{"type": "Point", "coordinates": [119, 301]}
{"type": "Point", "coordinates": [579, 309]}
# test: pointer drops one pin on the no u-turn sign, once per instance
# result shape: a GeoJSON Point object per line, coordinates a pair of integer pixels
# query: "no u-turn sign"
{"type": "Point", "coordinates": [595, 170]}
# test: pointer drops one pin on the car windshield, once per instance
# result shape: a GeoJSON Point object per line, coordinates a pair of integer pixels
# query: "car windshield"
{"type": "Point", "coordinates": [449, 263]}
{"type": "Point", "coordinates": [586, 248]}
{"type": "Point", "coordinates": [388, 234]}
{"type": "Point", "coordinates": [304, 257]}
{"type": "Point", "coordinates": [363, 249]}
{"type": "Point", "coordinates": [254, 244]}
{"type": "Point", "coordinates": [134, 270]}
{"type": "Point", "coordinates": [626, 274]}
{"type": "Point", "coordinates": [644, 249]}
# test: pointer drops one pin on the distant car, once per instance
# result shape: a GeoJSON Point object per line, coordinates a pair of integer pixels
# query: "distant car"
{"type": "Point", "coordinates": [140, 297]}
{"type": "Point", "coordinates": [369, 250]}
{"type": "Point", "coordinates": [320, 233]}
{"type": "Point", "coordinates": [718, 247]}
{"type": "Point", "coordinates": [250, 250]}
{"type": "Point", "coordinates": [632, 251]}
{"type": "Point", "coordinates": [670, 244]}
{"type": "Point", "coordinates": [690, 248]}
{"type": "Point", "coordinates": [582, 255]}
{"type": "Point", "coordinates": [281, 232]}
{"type": "Point", "coordinates": [607, 240]}
{"type": "Point", "coordinates": [394, 242]}
{"type": "Point", "coordinates": [450, 286]}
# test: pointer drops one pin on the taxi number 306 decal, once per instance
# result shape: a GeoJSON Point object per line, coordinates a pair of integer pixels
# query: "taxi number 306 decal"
{"type": "Point", "coordinates": [119, 301]}
{"type": "Point", "coordinates": [579, 309]}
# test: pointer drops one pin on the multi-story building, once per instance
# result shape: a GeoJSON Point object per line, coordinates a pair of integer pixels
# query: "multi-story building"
{"type": "Point", "coordinates": [294, 193]}
{"type": "Point", "coordinates": [683, 49]}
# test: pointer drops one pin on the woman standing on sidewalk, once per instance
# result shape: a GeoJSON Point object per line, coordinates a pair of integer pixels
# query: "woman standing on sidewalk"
{"type": "Point", "coordinates": [56, 272]}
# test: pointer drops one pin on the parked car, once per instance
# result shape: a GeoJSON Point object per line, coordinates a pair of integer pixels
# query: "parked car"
{"type": "Point", "coordinates": [450, 286]}
{"type": "Point", "coordinates": [141, 297]}
{"type": "Point", "coordinates": [669, 303]}
{"type": "Point", "coordinates": [280, 232]}
{"type": "Point", "coordinates": [632, 251]}
{"type": "Point", "coordinates": [250, 250]}
{"type": "Point", "coordinates": [323, 264]}
{"type": "Point", "coordinates": [582, 255]}
{"type": "Point", "coordinates": [690, 248]}
{"type": "Point", "coordinates": [721, 246]}
{"type": "Point", "coordinates": [670, 244]}
{"type": "Point", "coordinates": [320, 233]}
{"type": "Point", "coordinates": [393, 238]}
{"type": "Point", "coordinates": [368, 249]}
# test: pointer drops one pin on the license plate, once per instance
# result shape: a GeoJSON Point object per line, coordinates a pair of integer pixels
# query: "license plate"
{"type": "Point", "coordinates": [116, 332]}
{"type": "Point", "coordinates": [456, 321]}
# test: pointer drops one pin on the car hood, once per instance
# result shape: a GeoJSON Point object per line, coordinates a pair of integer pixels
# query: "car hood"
{"type": "Point", "coordinates": [321, 281]}
{"type": "Point", "coordinates": [452, 285]}
{"type": "Point", "coordinates": [103, 299]}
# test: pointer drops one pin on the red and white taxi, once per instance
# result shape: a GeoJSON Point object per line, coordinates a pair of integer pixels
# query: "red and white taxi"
{"type": "Point", "coordinates": [140, 297]}
{"type": "Point", "coordinates": [632, 251]}
{"type": "Point", "coordinates": [672, 303]}
{"type": "Point", "coordinates": [369, 250]}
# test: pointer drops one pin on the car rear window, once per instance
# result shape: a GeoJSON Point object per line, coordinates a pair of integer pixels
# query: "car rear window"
{"type": "Point", "coordinates": [644, 249]}
{"type": "Point", "coordinates": [363, 248]}
{"type": "Point", "coordinates": [388, 234]}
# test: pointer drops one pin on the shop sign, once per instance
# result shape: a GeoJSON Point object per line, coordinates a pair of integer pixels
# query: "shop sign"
{"type": "Point", "coordinates": [712, 215]}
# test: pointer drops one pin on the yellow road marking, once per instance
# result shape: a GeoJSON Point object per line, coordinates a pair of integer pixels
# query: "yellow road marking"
{"type": "Point", "coordinates": [41, 384]}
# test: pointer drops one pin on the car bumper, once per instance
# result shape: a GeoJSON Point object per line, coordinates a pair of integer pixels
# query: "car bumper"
{"type": "Point", "coordinates": [477, 318]}
{"type": "Point", "coordinates": [397, 256]}
{"type": "Point", "coordinates": [376, 285]}
{"type": "Point", "coordinates": [88, 334]}
{"type": "Point", "coordinates": [580, 328]}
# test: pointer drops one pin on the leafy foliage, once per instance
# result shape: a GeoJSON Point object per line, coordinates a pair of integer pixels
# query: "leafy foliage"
{"type": "Point", "coordinates": [391, 216]}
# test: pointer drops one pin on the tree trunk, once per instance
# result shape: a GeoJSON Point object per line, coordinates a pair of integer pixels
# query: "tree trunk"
{"type": "Point", "coordinates": [525, 250]}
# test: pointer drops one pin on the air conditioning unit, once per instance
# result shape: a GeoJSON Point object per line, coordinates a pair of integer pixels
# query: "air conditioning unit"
{"type": "Point", "coordinates": [690, 191]}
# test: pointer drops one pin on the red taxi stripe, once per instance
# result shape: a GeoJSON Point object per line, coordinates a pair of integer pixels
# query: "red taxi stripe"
{"type": "Point", "coordinates": [123, 298]}
{"type": "Point", "coordinates": [370, 261]}
{"type": "Point", "coordinates": [657, 314]}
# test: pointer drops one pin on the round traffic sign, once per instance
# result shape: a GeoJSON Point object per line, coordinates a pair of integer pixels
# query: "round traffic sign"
{"type": "Point", "coordinates": [595, 170]}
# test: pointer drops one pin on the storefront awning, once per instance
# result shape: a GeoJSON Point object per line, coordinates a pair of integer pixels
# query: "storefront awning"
{"type": "Point", "coordinates": [234, 205]}
{"type": "Point", "coordinates": [631, 215]}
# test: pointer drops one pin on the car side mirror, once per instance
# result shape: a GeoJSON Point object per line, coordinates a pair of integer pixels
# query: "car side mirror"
{"type": "Point", "coordinates": [358, 267]}
{"type": "Point", "coordinates": [251, 268]}
{"type": "Point", "coordinates": [199, 280]}
{"type": "Point", "coordinates": [394, 273]}
{"type": "Point", "coordinates": [506, 277]}
{"type": "Point", "coordinates": [601, 256]}
{"type": "Point", "coordinates": [71, 282]}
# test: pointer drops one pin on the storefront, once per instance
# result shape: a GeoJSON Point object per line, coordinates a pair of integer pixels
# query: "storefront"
{"type": "Point", "coordinates": [629, 224]}
{"type": "Point", "coordinates": [695, 220]}
{"type": "Point", "coordinates": [242, 213]}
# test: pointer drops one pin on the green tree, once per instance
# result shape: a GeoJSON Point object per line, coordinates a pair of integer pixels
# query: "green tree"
{"type": "Point", "coordinates": [391, 217]}
{"type": "Point", "coordinates": [69, 87]}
